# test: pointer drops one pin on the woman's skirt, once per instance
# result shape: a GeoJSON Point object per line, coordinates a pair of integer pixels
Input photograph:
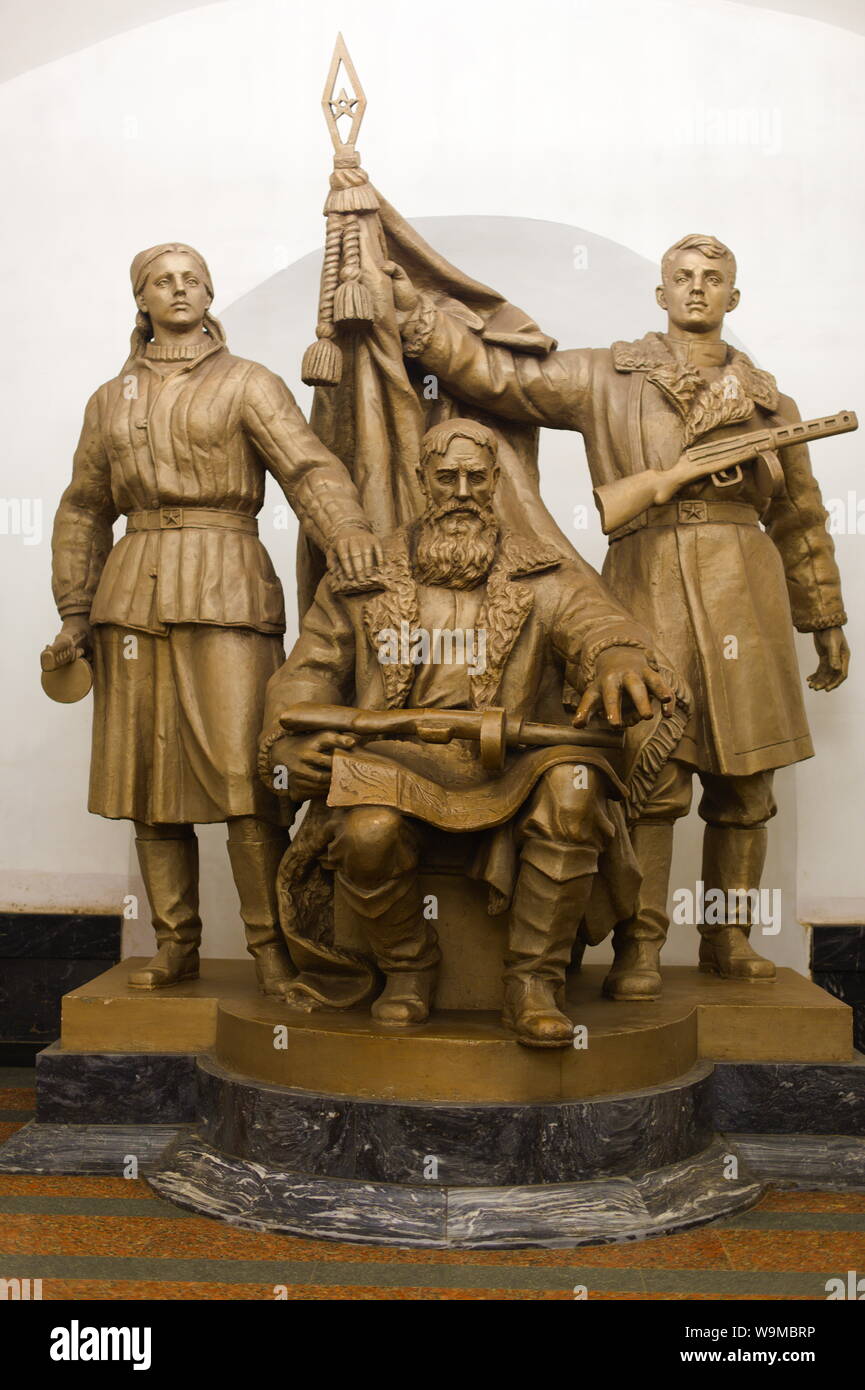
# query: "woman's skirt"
{"type": "Point", "coordinates": [176, 723]}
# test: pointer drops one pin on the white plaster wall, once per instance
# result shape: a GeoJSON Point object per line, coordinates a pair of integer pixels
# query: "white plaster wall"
{"type": "Point", "coordinates": [634, 121]}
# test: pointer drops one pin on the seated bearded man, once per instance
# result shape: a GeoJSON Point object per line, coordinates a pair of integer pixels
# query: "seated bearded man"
{"type": "Point", "coordinates": [531, 621]}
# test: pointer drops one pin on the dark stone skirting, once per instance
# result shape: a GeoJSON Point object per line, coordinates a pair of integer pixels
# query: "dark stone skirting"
{"type": "Point", "coordinates": [837, 948]}
{"type": "Point", "coordinates": [838, 966]}
{"type": "Point", "coordinates": [60, 936]}
{"type": "Point", "coordinates": [44, 955]}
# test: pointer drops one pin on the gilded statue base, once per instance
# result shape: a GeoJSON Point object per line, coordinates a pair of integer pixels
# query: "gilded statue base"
{"type": "Point", "coordinates": [463, 1055]}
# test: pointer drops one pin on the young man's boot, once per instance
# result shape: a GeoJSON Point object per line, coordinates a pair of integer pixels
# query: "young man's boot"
{"type": "Point", "coordinates": [733, 859]}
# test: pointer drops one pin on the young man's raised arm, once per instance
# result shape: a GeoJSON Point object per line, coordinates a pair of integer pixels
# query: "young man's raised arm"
{"type": "Point", "coordinates": [553, 390]}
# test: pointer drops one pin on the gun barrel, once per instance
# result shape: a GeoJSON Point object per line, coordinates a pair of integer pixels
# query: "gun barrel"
{"type": "Point", "coordinates": [440, 726]}
{"type": "Point", "coordinates": [532, 735]}
{"type": "Point", "coordinates": [741, 448]}
{"type": "Point", "coordinates": [802, 430]}
{"type": "Point", "coordinates": [309, 717]}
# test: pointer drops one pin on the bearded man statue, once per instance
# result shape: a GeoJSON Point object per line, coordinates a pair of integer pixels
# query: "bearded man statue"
{"type": "Point", "coordinates": [528, 622]}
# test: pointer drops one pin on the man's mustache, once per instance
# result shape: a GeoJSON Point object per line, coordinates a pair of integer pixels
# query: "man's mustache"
{"type": "Point", "coordinates": [457, 504]}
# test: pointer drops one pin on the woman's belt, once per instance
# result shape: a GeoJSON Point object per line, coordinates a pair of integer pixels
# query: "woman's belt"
{"type": "Point", "coordinates": [176, 518]}
{"type": "Point", "coordinates": [690, 511]}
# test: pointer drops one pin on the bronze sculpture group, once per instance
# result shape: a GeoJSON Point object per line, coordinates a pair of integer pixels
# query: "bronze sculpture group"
{"type": "Point", "coordinates": [678, 661]}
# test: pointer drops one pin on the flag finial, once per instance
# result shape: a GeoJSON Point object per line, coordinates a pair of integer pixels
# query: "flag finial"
{"type": "Point", "coordinates": [343, 99]}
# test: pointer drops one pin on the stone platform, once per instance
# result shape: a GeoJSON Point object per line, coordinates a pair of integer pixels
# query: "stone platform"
{"type": "Point", "coordinates": [674, 1113]}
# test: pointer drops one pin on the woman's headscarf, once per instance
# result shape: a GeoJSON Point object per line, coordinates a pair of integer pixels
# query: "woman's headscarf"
{"type": "Point", "coordinates": [143, 330]}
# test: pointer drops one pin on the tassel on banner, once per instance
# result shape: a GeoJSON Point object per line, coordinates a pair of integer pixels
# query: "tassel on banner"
{"type": "Point", "coordinates": [350, 190]}
{"type": "Point", "coordinates": [352, 302]}
{"type": "Point", "coordinates": [322, 361]}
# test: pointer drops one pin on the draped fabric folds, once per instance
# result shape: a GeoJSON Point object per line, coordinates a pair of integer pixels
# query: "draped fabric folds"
{"type": "Point", "coordinates": [375, 417]}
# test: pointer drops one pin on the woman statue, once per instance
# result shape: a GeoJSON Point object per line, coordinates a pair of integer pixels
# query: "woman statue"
{"type": "Point", "coordinates": [184, 616]}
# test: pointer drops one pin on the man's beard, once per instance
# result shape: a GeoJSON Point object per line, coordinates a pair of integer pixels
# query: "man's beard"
{"type": "Point", "coordinates": [455, 544]}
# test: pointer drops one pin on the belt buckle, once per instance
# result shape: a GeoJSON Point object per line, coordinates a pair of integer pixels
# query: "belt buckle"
{"type": "Point", "coordinates": [693, 510]}
{"type": "Point", "coordinates": [170, 518]}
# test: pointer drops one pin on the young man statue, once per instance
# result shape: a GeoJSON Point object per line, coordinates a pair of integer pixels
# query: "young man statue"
{"type": "Point", "coordinates": [719, 576]}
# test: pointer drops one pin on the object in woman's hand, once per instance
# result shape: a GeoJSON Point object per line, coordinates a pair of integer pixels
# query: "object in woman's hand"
{"type": "Point", "coordinates": [68, 681]}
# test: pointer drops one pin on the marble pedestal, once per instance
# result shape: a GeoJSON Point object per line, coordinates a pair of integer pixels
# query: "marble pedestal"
{"type": "Point", "coordinates": [671, 1115]}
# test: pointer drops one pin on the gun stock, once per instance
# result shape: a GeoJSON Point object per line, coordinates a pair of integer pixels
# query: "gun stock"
{"type": "Point", "coordinates": [619, 502]}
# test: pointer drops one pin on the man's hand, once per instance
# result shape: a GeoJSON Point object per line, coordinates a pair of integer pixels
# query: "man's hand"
{"type": "Point", "coordinates": [308, 760]}
{"type": "Point", "coordinates": [834, 657]}
{"type": "Point", "coordinates": [358, 554]}
{"type": "Point", "coordinates": [623, 671]}
{"type": "Point", "coordinates": [405, 296]}
{"type": "Point", "coordinates": [75, 638]}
